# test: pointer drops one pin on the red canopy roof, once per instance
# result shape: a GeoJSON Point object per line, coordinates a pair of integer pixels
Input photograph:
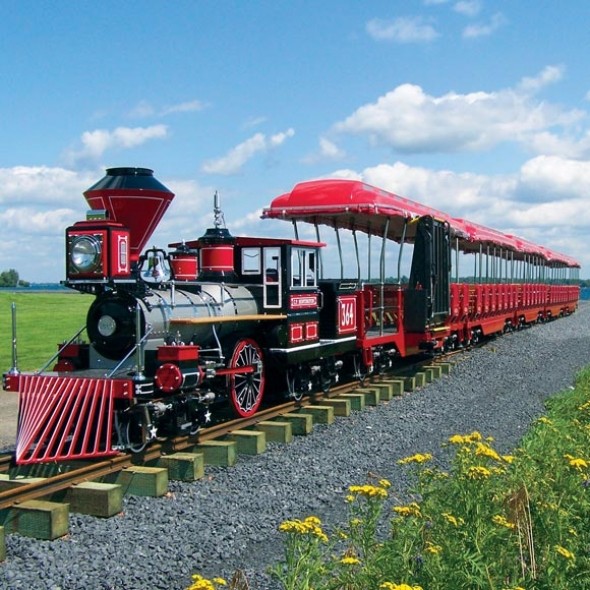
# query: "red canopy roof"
{"type": "Point", "coordinates": [350, 204]}
{"type": "Point", "coordinates": [354, 205]}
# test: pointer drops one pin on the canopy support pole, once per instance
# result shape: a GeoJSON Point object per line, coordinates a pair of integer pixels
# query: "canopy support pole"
{"type": "Point", "coordinates": [340, 253]}
{"type": "Point", "coordinates": [382, 277]}
{"type": "Point", "coordinates": [358, 260]}
{"type": "Point", "coordinates": [401, 249]}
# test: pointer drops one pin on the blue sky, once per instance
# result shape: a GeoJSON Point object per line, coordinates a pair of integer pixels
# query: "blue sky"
{"type": "Point", "coordinates": [478, 108]}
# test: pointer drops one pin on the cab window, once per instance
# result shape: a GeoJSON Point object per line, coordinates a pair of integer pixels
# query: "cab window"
{"type": "Point", "coordinates": [303, 267]}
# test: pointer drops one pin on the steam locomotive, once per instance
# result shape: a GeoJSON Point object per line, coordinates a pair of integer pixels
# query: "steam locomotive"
{"type": "Point", "coordinates": [221, 322]}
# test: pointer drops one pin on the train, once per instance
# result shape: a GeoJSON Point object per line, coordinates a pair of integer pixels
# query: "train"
{"type": "Point", "coordinates": [213, 327]}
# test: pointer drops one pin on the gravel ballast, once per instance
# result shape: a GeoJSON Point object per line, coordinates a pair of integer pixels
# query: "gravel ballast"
{"type": "Point", "coordinates": [229, 519]}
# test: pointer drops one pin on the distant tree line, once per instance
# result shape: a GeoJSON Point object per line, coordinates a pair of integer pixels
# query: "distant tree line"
{"type": "Point", "coordinates": [9, 278]}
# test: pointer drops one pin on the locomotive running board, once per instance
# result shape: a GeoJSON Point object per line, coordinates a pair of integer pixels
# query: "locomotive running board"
{"type": "Point", "coordinates": [64, 418]}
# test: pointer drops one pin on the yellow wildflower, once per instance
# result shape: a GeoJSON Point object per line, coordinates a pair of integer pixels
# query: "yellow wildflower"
{"type": "Point", "coordinates": [349, 560]}
{"type": "Point", "coordinates": [502, 521]}
{"type": "Point", "coordinates": [392, 586]}
{"type": "Point", "coordinates": [577, 462]}
{"type": "Point", "coordinates": [310, 526]}
{"type": "Point", "coordinates": [483, 450]}
{"type": "Point", "coordinates": [457, 439]}
{"type": "Point", "coordinates": [544, 420]}
{"type": "Point", "coordinates": [220, 581]}
{"type": "Point", "coordinates": [465, 439]}
{"type": "Point", "coordinates": [452, 519]}
{"type": "Point", "coordinates": [564, 552]}
{"type": "Point", "coordinates": [417, 458]}
{"type": "Point", "coordinates": [368, 491]}
{"type": "Point", "coordinates": [508, 458]}
{"type": "Point", "coordinates": [385, 483]}
{"type": "Point", "coordinates": [478, 472]}
{"type": "Point", "coordinates": [201, 583]}
{"type": "Point", "coordinates": [412, 509]}
{"type": "Point", "coordinates": [432, 548]}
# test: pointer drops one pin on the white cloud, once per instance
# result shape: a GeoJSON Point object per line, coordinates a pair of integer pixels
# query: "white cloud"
{"type": "Point", "coordinates": [468, 8]}
{"type": "Point", "coordinates": [474, 31]}
{"type": "Point", "coordinates": [145, 109]}
{"type": "Point", "coordinates": [37, 203]}
{"type": "Point", "coordinates": [253, 122]}
{"type": "Point", "coordinates": [548, 75]}
{"type": "Point", "coordinates": [237, 157]}
{"type": "Point", "coordinates": [41, 185]}
{"type": "Point", "coordinates": [401, 30]}
{"type": "Point", "coordinates": [190, 106]}
{"type": "Point", "coordinates": [411, 121]}
{"type": "Point", "coordinates": [552, 177]}
{"type": "Point", "coordinates": [142, 110]}
{"type": "Point", "coordinates": [33, 221]}
{"type": "Point", "coordinates": [327, 151]}
{"type": "Point", "coordinates": [280, 138]}
{"type": "Point", "coordinates": [96, 143]}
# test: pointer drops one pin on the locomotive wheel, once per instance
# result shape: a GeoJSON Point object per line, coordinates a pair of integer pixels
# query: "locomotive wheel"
{"type": "Point", "coordinates": [298, 381]}
{"type": "Point", "coordinates": [246, 389]}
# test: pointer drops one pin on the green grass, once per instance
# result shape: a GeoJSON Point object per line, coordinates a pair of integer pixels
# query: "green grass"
{"type": "Point", "coordinates": [43, 320]}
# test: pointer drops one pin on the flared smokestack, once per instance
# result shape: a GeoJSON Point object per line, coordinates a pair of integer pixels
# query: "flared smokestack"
{"type": "Point", "coordinates": [133, 197]}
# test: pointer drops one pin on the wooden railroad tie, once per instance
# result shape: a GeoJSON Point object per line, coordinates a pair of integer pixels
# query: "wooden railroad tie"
{"type": "Point", "coordinates": [183, 466]}
{"type": "Point", "coordinates": [38, 519]}
{"type": "Point", "coordinates": [249, 442]}
{"type": "Point", "coordinates": [95, 498]}
{"type": "Point", "coordinates": [276, 431]}
{"type": "Point", "coordinates": [218, 452]}
{"type": "Point", "coordinates": [320, 414]}
{"type": "Point", "coordinates": [138, 480]}
{"type": "Point", "coordinates": [301, 424]}
{"type": "Point", "coordinates": [340, 404]}
{"type": "Point", "coordinates": [370, 393]}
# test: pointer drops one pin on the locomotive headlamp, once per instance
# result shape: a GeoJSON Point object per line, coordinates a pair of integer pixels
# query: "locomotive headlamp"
{"type": "Point", "coordinates": [106, 326]}
{"type": "Point", "coordinates": [85, 253]}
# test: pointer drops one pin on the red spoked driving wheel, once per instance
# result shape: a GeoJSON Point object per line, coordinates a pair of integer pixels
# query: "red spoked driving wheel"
{"type": "Point", "coordinates": [246, 388]}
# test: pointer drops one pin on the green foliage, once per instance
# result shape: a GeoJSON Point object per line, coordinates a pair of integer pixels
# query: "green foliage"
{"type": "Point", "coordinates": [43, 321]}
{"type": "Point", "coordinates": [500, 522]}
{"type": "Point", "coordinates": [9, 278]}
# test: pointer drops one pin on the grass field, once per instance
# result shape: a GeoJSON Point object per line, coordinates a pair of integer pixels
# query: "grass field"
{"type": "Point", "coordinates": [43, 320]}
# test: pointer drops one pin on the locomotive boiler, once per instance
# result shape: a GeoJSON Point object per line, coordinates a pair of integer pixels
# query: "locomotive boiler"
{"type": "Point", "coordinates": [214, 325]}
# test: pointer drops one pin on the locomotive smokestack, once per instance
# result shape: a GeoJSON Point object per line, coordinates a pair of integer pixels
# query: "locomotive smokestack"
{"type": "Point", "coordinates": [133, 197]}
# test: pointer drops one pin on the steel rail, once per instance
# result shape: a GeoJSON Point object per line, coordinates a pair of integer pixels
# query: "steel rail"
{"type": "Point", "coordinates": [46, 487]}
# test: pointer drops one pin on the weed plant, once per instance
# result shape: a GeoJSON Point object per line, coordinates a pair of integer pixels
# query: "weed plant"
{"type": "Point", "coordinates": [492, 521]}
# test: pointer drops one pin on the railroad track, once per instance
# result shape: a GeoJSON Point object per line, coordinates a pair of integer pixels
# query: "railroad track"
{"type": "Point", "coordinates": [19, 486]}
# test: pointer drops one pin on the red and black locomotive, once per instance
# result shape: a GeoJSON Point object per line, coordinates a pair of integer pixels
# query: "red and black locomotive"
{"type": "Point", "coordinates": [221, 322]}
